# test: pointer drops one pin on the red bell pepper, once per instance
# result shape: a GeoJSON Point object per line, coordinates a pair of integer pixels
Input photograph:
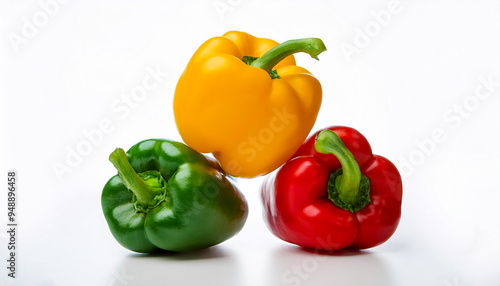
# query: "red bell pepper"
{"type": "Point", "coordinates": [334, 194]}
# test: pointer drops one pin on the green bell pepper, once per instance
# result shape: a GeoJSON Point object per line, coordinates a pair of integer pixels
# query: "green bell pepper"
{"type": "Point", "coordinates": [168, 196]}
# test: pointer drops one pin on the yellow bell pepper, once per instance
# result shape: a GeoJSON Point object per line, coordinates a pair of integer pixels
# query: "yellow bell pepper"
{"type": "Point", "coordinates": [243, 99]}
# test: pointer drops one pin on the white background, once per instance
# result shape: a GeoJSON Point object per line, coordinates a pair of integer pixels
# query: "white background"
{"type": "Point", "coordinates": [416, 71]}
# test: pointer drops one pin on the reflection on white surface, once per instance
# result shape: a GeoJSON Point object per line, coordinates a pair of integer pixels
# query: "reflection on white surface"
{"type": "Point", "coordinates": [297, 266]}
{"type": "Point", "coordinates": [214, 265]}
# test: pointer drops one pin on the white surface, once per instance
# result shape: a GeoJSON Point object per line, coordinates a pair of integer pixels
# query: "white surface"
{"type": "Point", "coordinates": [399, 89]}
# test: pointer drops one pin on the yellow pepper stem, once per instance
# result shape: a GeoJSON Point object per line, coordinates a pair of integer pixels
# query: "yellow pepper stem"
{"type": "Point", "coordinates": [311, 46]}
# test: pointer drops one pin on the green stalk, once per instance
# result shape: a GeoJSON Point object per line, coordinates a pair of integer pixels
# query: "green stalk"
{"type": "Point", "coordinates": [311, 46]}
{"type": "Point", "coordinates": [348, 188]}
{"type": "Point", "coordinates": [144, 191]}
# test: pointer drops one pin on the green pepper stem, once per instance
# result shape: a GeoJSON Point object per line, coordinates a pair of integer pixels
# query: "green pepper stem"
{"type": "Point", "coordinates": [349, 188]}
{"type": "Point", "coordinates": [130, 178]}
{"type": "Point", "coordinates": [311, 46]}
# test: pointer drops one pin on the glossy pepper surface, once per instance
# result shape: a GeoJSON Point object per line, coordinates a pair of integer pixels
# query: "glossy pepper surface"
{"type": "Point", "coordinates": [168, 196]}
{"type": "Point", "coordinates": [243, 99]}
{"type": "Point", "coordinates": [334, 194]}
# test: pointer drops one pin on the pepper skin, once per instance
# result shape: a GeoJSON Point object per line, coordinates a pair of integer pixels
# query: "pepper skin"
{"type": "Point", "coordinates": [167, 196]}
{"type": "Point", "coordinates": [298, 205]}
{"type": "Point", "coordinates": [252, 114]}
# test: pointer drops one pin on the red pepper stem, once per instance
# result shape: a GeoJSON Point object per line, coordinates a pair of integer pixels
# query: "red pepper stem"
{"type": "Point", "coordinates": [348, 183]}
{"type": "Point", "coordinates": [348, 188]}
{"type": "Point", "coordinates": [311, 46]}
{"type": "Point", "coordinates": [141, 189]}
